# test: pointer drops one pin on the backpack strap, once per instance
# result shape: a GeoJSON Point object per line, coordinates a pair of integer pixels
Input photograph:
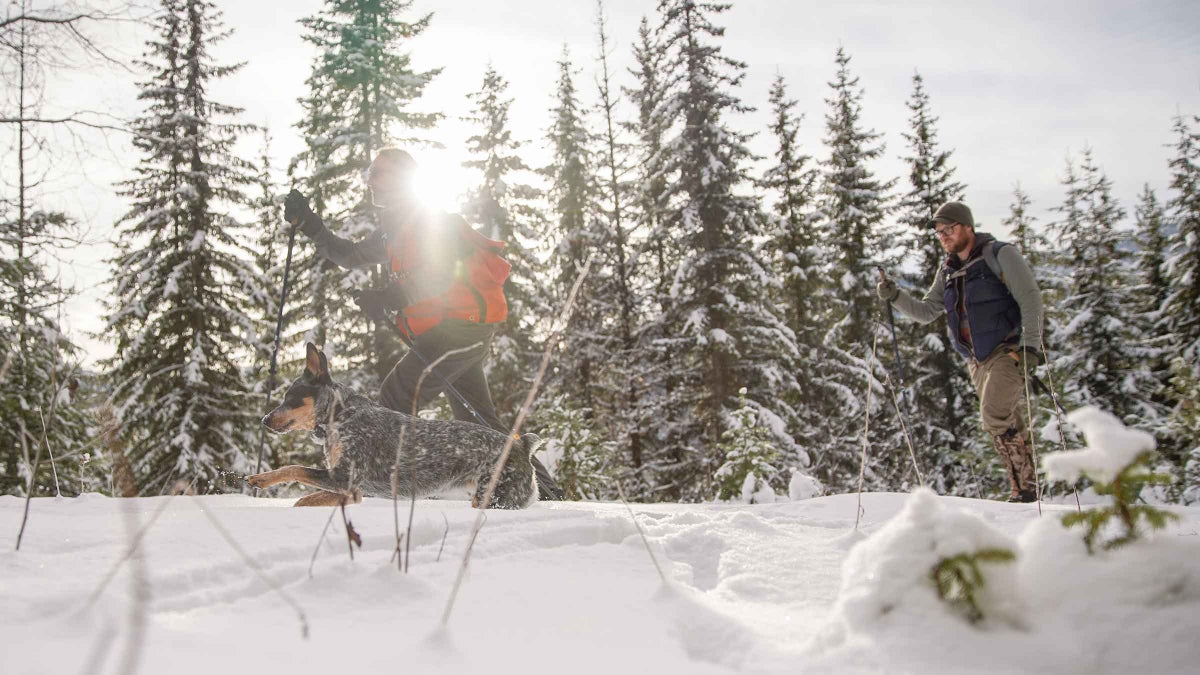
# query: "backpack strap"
{"type": "Point", "coordinates": [991, 257]}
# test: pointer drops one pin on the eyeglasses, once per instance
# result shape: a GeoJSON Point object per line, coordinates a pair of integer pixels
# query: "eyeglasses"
{"type": "Point", "coordinates": [943, 231]}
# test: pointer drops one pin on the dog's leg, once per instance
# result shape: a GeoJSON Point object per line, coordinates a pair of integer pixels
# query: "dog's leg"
{"type": "Point", "coordinates": [318, 478]}
{"type": "Point", "coordinates": [326, 498]}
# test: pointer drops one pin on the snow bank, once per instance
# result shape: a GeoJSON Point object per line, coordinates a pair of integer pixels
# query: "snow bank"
{"type": "Point", "coordinates": [804, 486]}
{"type": "Point", "coordinates": [887, 579]}
{"type": "Point", "coordinates": [1111, 447]}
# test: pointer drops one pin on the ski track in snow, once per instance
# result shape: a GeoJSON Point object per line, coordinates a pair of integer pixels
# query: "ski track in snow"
{"type": "Point", "coordinates": [561, 585]}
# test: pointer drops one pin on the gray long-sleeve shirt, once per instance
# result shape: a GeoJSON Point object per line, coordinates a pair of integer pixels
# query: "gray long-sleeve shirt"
{"type": "Point", "coordinates": [1016, 274]}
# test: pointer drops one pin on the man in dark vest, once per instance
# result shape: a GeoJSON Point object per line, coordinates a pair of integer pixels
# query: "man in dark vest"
{"type": "Point", "coordinates": [446, 292]}
{"type": "Point", "coordinates": [993, 308]}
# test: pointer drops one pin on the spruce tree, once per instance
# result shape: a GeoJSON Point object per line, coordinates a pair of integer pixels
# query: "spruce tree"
{"type": "Point", "coordinates": [658, 255]}
{"type": "Point", "coordinates": [941, 422]}
{"type": "Point", "coordinates": [183, 276]}
{"type": "Point", "coordinates": [505, 208]}
{"type": "Point", "coordinates": [796, 251]}
{"type": "Point", "coordinates": [1026, 235]}
{"type": "Point", "coordinates": [362, 90]}
{"type": "Point", "coordinates": [39, 364]}
{"type": "Point", "coordinates": [617, 290]}
{"type": "Point", "coordinates": [576, 234]}
{"type": "Point", "coordinates": [1180, 321]}
{"type": "Point", "coordinates": [721, 327]}
{"type": "Point", "coordinates": [854, 204]}
{"type": "Point", "coordinates": [1104, 359]}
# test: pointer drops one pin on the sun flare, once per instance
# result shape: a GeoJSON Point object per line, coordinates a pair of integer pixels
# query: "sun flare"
{"type": "Point", "coordinates": [439, 180]}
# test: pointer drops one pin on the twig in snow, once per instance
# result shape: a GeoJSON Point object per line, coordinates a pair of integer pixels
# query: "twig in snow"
{"type": "Point", "coordinates": [352, 537]}
{"type": "Point", "coordinates": [1062, 438]}
{"type": "Point", "coordinates": [320, 541]}
{"type": "Point", "coordinates": [37, 462]}
{"type": "Point", "coordinates": [862, 467]}
{"type": "Point", "coordinates": [445, 533]}
{"type": "Point", "coordinates": [257, 569]}
{"type": "Point", "coordinates": [555, 336]}
{"type": "Point", "coordinates": [53, 468]}
{"type": "Point", "coordinates": [642, 534]}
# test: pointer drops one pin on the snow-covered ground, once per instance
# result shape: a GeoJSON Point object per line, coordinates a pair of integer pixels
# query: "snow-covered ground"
{"type": "Point", "coordinates": [569, 588]}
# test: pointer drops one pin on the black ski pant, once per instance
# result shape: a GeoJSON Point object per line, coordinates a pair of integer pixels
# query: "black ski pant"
{"type": "Point", "coordinates": [470, 343]}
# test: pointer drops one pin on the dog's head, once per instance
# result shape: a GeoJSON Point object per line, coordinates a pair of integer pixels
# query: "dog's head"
{"type": "Point", "coordinates": [299, 407]}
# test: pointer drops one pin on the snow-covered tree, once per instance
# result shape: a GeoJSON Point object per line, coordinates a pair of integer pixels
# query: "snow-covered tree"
{"type": "Point", "coordinates": [1180, 319]}
{"type": "Point", "coordinates": [38, 362]}
{"type": "Point", "coordinates": [941, 422]}
{"type": "Point", "coordinates": [657, 254]}
{"type": "Point", "coordinates": [186, 296]}
{"type": "Point", "coordinates": [1104, 359]}
{"type": "Point", "coordinates": [617, 292]}
{"type": "Point", "coordinates": [750, 456]}
{"type": "Point", "coordinates": [504, 208]}
{"type": "Point", "coordinates": [575, 232]}
{"type": "Point", "coordinates": [853, 203]}
{"type": "Point", "coordinates": [792, 230]}
{"type": "Point", "coordinates": [362, 92]}
{"type": "Point", "coordinates": [722, 330]}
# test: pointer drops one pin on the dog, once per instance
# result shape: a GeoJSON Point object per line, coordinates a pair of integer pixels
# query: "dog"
{"type": "Point", "coordinates": [364, 441]}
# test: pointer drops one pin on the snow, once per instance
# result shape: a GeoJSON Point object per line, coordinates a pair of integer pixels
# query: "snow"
{"type": "Point", "coordinates": [803, 486]}
{"type": "Point", "coordinates": [788, 587]}
{"type": "Point", "coordinates": [1111, 447]}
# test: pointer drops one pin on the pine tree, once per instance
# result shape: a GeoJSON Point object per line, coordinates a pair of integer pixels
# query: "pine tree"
{"type": "Point", "coordinates": [941, 423]}
{"type": "Point", "coordinates": [658, 255]}
{"type": "Point", "coordinates": [504, 208]}
{"type": "Point", "coordinates": [750, 456]}
{"type": "Point", "coordinates": [1180, 320]}
{"type": "Point", "coordinates": [617, 290]}
{"type": "Point", "coordinates": [1026, 236]}
{"type": "Point", "coordinates": [1104, 360]}
{"type": "Point", "coordinates": [38, 362]}
{"type": "Point", "coordinates": [361, 91]}
{"type": "Point", "coordinates": [576, 232]}
{"type": "Point", "coordinates": [183, 275]}
{"type": "Point", "coordinates": [854, 204]}
{"type": "Point", "coordinates": [722, 330]}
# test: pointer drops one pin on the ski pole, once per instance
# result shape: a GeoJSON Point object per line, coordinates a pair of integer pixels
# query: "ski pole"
{"type": "Point", "coordinates": [287, 268]}
{"type": "Point", "coordinates": [895, 345]}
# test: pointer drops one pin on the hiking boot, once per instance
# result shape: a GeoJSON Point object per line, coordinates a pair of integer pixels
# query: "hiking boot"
{"type": "Point", "coordinates": [1023, 497]}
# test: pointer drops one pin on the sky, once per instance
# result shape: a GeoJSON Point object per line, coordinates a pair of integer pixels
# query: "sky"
{"type": "Point", "coordinates": [1018, 86]}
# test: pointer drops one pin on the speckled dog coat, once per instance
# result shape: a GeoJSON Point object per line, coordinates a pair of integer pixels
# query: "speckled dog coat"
{"type": "Point", "coordinates": [363, 441]}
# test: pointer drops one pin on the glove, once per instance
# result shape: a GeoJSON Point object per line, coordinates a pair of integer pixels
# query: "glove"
{"type": "Point", "coordinates": [296, 210]}
{"type": "Point", "coordinates": [379, 304]}
{"type": "Point", "coordinates": [887, 290]}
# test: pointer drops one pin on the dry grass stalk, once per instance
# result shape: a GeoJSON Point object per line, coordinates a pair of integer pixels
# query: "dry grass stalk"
{"type": "Point", "coordinates": [317, 550]}
{"type": "Point", "coordinates": [1058, 413]}
{"type": "Point", "coordinates": [862, 467]}
{"type": "Point", "coordinates": [555, 336]}
{"type": "Point", "coordinates": [124, 484]}
{"type": "Point", "coordinates": [642, 534]}
{"type": "Point", "coordinates": [37, 462]}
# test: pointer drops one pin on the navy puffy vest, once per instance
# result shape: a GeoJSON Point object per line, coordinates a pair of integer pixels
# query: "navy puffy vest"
{"type": "Point", "coordinates": [993, 315]}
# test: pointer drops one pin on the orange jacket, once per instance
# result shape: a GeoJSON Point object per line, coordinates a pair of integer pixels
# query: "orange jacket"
{"type": "Point", "coordinates": [447, 270]}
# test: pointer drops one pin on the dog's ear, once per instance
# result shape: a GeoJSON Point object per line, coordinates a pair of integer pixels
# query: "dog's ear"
{"type": "Point", "coordinates": [315, 365]}
{"type": "Point", "coordinates": [325, 377]}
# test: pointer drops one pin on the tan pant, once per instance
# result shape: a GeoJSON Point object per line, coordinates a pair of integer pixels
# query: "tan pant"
{"type": "Point", "coordinates": [1000, 381]}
